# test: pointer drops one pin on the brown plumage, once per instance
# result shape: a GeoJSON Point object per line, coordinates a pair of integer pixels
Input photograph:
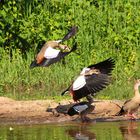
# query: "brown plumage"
{"type": "Point", "coordinates": [52, 44]}
{"type": "Point", "coordinates": [131, 105]}
{"type": "Point", "coordinates": [49, 54]}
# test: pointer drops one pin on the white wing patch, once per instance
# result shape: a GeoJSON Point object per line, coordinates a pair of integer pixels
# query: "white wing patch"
{"type": "Point", "coordinates": [80, 108]}
{"type": "Point", "coordinates": [51, 53]}
{"type": "Point", "coordinates": [79, 82]}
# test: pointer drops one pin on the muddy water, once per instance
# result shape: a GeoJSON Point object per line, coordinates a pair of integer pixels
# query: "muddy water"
{"type": "Point", "coordinates": [74, 131]}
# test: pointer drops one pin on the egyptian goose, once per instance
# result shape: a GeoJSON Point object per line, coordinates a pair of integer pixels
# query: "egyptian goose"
{"type": "Point", "coordinates": [82, 109]}
{"type": "Point", "coordinates": [131, 105]}
{"type": "Point", "coordinates": [51, 51]}
{"type": "Point", "coordinates": [92, 79]}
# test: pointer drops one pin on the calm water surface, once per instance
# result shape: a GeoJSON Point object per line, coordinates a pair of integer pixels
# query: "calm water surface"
{"type": "Point", "coordinates": [73, 131]}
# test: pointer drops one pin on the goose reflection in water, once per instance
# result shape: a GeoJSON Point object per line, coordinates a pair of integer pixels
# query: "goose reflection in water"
{"type": "Point", "coordinates": [130, 131]}
{"type": "Point", "coordinates": [80, 133]}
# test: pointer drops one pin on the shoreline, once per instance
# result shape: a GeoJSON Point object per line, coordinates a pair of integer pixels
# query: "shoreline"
{"type": "Point", "coordinates": [34, 112]}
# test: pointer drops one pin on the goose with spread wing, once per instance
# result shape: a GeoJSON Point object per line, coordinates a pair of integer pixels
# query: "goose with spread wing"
{"type": "Point", "coordinates": [91, 80]}
{"type": "Point", "coordinates": [51, 52]}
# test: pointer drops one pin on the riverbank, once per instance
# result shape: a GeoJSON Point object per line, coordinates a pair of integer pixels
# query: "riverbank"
{"type": "Point", "coordinates": [35, 111]}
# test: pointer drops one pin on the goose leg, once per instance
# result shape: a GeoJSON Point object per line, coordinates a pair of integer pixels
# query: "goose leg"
{"type": "Point", "coordinates": [84, 118]}
{"type": "Point", "coordinates": [89, 98]}
{"type": "Point", "coordinates": [132, 116]}
{"type": "Point", "coordinates": [84, 114]}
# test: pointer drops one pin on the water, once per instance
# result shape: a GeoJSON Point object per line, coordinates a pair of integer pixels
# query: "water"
{"type": "Point", "coordinates": [75, 131]}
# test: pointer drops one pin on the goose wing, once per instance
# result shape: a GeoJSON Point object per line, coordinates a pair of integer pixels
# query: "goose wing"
{"type": "Point", "coordinates": [96, 82]}
{"type": "Point", "coordinates": [104, 67]}
{"type": "Point", "coordinates": [96, 76]}
{"type": "Point", "coordinates": [77, 108]}
{"type": "Point", "coordinates": [70, 34]}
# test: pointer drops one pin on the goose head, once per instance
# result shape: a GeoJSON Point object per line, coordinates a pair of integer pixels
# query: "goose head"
{"type": "Point", "coordinates": [84, 70]}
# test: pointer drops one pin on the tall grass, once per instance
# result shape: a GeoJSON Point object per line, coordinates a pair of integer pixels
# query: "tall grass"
{"type": "Point", "coordinates": [110, 30]}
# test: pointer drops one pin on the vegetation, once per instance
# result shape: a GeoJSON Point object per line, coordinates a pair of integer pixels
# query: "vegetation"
{"type": "Point", "coordinates": [106, 29]}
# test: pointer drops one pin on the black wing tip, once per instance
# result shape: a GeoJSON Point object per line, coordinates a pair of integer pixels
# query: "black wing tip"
{"type": "Point", "coordinates": [111, 60]}
{"type": "Point", "coordinates": [33, 64]}
{"type": "Point", "coordinates": [111, 64]}
{"type": "Point", "coordinates": [74, 47]}
{"type": "Point", "coordinates": [121, 112]}
{"type": "Point", "coordinates": [62, 93]}
{"type": "Point", "coordinates": [65, 91]}
{"type": "Point", "coordinates": [74, 28]}
{"type": "Point", "coordinates": [105, 67]}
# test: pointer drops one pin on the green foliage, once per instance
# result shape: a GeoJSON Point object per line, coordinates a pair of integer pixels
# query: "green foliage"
{"type": "Point", "coordinates": [106, 29]}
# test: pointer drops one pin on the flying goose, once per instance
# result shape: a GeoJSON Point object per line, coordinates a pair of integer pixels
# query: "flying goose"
{"type": "Point", "coordinates": [131, 106]}
{"type": "Point", "coordinates": [91, 80]}
{"type": "Point", "coordinates": [51, 51]}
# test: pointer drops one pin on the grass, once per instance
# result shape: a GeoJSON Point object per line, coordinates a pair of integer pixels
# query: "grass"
{"type": "Point", "coordinates": [110, 30]}
{"type": "Point", "coordinates": [20, 82]}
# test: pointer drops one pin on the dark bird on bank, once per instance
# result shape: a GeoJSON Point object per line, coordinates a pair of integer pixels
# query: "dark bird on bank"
{"type": "Point", "coordinates": [92, 79]}
{"type": "Point", "coordinates": [51, 52]}
{"type": "Point", "coordinates": [131, 106]}
{"type": "Point", "coordinates": [82, 109]}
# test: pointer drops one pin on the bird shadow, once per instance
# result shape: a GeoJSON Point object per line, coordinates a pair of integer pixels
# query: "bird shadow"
{"type": "Point", "coordinates": [60, 109]}
{"type": "Point", "coordinates": [63, 109]}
